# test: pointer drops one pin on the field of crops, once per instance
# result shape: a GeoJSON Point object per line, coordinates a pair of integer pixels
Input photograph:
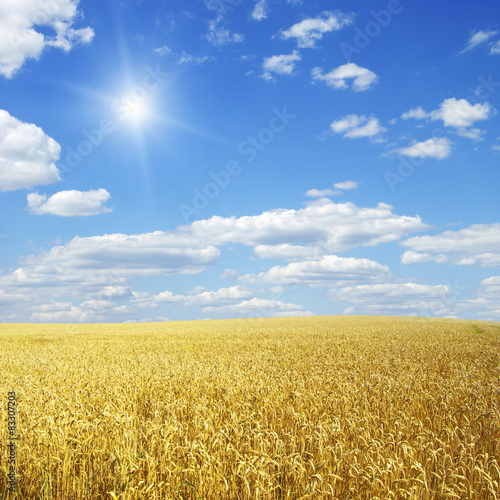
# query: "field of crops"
{"type": "Point", "coordinates": [282, 408]}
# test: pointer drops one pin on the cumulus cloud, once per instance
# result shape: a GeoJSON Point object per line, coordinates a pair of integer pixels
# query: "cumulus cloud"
{"type": "Point", "coordinates": [412, 257]}
{"type": "Point", "coordinates": [86, 312]}
{"type": "Point", "coordinates": [432, 148]}
{"type": "Point", "coordinates": [259, 12]}
{"type": "Point", "coordinates": [495, 48]}
{"type": "Point", "coordinates": [230, 302]}
{"type": "Point", "coordinates": [22, 31]}
{"type": "Point", "coordinates": [486, 305]}
{"type": "Point", "coordinates": [70, 203]}
{"type": "Point", "coordinates": [258, 308]}
{"type": "Point", "coordinates": [7, 299]}
{"type": "Point", "coordinates": [221, 297]}
{"type": "Point", "coordinates": [288, 252]}
{"type": "Point", "coordinates": [346, 185]}
{"type": "Point", "coordinates": [27, 155]}
{"type": "Point", "coordinates": [478, 244]}
{"type": "Point", "coordinates": [322, 227]}
{"type": "Point", "coordinates": [355, 126]}
{"type": "Point", "coordinates": [228, 273]}
{"type": "Point", "coordinates": [461, 114]}
{"type": "Point", "coordinates": [339, 188]}
{"type": "Point", "coordinates": [311, 30]}
{"type": "Point", "coordinates": [73, 314]}
{"type": "Point", "coordinates": [333, 227]}
{"type": "Point", "coordinates": [395, 299]}
{"type": "Point", "coordinates": [329, 270]}
{"type": "Point", "coordinates": [416, 113]}
{"type": "Point", "coordinates": [458, 114]}
{"type": "Point", "coordinates": [98, 268]}
{"type": "Point", "coordinates": [362, 78]}
{"type": "Point", "coordinates": [283, 64]}
{"type": "Point", "coordinates": [320, 193]}
{"type": "Point", "coordinates": [84, 266]}
{"type": "Point", "coordinates": [490, 287]}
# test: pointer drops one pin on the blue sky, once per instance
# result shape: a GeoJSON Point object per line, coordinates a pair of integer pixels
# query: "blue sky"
{"type": "Point", "coordinates": [243, 158]}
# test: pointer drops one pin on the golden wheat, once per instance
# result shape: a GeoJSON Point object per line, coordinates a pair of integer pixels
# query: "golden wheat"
{"type": "Point", "coordinates": [283, 408]}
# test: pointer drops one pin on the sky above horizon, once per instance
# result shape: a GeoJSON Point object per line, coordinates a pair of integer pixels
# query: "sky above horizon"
{"type": "Point", "coordinates": [248, 158]}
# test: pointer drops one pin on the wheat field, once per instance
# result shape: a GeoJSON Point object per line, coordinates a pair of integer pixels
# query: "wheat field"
{"type": "Point", "coordinates": [283, 408]}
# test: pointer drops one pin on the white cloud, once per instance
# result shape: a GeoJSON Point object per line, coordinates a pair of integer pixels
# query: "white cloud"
{"type": "Point", "coordinates": [310, 30]}
{"type": "Point", "coordinates": [162, 51]}
{"type": "Point", "coordinates": [432, 148]}
{"type": "Point", "coordinates": [459, 114]}
{"type": "Point", "coordinates": [218, 33]}
{"type": "Point", "coordinates": [98, 261]}
{"type": "Point", "coordinates": [228, 273]}
{"type": "Point", "coordinates": [411, 257]}
{"type": "Point", "coordinates": [486, 305]}
{"type": "Point", "coordinates": [346, 185]}
{"type": "Point", "coordinates": [355, 126]}
{"type": "Point", "coordinates": [7, 299]}
{"type": "Point", "coordinates": [333, 227]}
{"type": "Point", "coordinates": [490, 287]}
{"type": "Point", "coordinates": [283, 64]}
{"type": "Point", "coordinates": [288, 252]}
{"type": "Point", "coordinates": [320, 193]}
{"type": "Point", "coordinates": [27, 155]}
{"type": "Point", "coordinates": [260, 10]}
{"type": "Point", "coordinates": [113, 292]}
{"type": "Point", "coordinates": [70, 203]}
{"type": "Point", "coordinates": [362, 78]}
{"type": "Point", "coordinates": [478, 38]}
{"type": "Point", "coordinates": [259, 308]}
{"type": "Point", "coordinates": [20, 40]}
{"type": "Point", "coordinates": [416, 113]}
{"type": "Point", "coordinates": [495, 48]}
{"type": "Point", "coordinates": [395, 299]}
{"type": "Point", "coordinates": [221, 297]}
{"type": "Point", "coordinates": [329, 270]}
{"type": "Point", "coordinates": [73, 315]}
{"type": "Point", "coordinates": [496, 147]}
{"type": "Point", "coordinates": [97, 268]}
{"type": "Point", "coordinates": [478, 244]}
{"type": "Point", "coordinates": [88, 311]}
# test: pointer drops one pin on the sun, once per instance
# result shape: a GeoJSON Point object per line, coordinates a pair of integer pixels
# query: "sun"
{"type": "Point", "coordinates": [136, 111]}
{"type": "Point", "coordinates": [132, 110]}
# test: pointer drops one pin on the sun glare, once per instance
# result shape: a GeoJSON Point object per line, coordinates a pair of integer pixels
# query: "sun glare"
{"type": "Point", "coordinates": [131, 110]}
{"type": "Point", "coordinates": [135, 111]}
